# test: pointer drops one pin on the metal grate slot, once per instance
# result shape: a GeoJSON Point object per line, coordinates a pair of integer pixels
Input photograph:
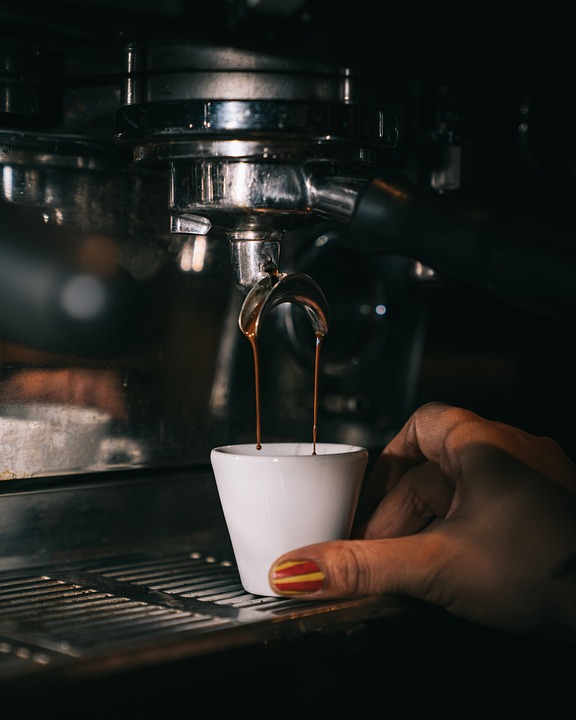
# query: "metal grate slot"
{"type": "Point", "coordinates": [198, 576]}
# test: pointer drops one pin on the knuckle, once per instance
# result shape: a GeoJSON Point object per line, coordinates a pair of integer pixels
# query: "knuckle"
{"type": "Point", "coordinates": [347, 573]}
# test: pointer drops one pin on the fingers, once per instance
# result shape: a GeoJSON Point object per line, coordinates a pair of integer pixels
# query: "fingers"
{"type": "Point", "coordinates": [451, 437]}
{"type": "Point", "coordinates": [359, 568]}
{"type": "Point", "coordinates": [421, 495]}
{"type": "Point", "coordinates": [422, 438]}
{"type": "Point", "coordinates": [431, 433]}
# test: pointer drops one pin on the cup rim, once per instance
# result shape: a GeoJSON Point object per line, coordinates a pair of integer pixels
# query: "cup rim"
{"type": "Point", "coordinates": [280, 449]}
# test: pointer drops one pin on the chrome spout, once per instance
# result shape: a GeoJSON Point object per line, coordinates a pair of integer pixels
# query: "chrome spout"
{"type": "Point", "coordinates": [254, 257]}
{"type": "Point", "coordinates": [298, 289]}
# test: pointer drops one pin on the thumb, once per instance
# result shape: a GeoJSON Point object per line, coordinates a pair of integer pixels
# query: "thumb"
{"type": "Point", "coordinates": [358, 568]}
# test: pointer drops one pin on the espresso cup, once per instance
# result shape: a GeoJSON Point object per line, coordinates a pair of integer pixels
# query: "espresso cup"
{"type": "Point", "coordinates": [283, 497]}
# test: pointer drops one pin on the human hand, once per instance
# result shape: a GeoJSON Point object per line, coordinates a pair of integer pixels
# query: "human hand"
{"type": "Point", "coordinates": [475, 516]}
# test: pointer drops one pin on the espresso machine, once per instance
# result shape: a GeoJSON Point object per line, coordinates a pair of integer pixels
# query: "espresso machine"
{"type": "Point", "coordinates": [174, 178]}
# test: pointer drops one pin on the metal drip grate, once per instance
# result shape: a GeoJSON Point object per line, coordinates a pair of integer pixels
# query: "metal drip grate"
{"type": "Point", "coordinates": [74, 615]}
{"type": "Point", "coordinates": [195, 576]}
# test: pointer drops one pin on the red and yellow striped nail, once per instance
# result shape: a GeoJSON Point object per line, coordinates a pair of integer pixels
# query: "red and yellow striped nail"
{"type": "Point", "coordinates": [297, 577]}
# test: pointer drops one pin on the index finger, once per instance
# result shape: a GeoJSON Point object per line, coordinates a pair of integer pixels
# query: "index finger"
{"type": "Point", "coordinates": [450, 437]}
{"type": "Point", "coordinates": [433, 432]}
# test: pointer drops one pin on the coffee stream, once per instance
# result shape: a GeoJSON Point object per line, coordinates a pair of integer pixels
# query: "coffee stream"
{"type": "Point", "coordinates": [251, 334]}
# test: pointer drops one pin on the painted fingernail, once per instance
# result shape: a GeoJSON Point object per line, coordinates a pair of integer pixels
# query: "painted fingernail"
{"type": "Point", "coordinates": [297, 577]}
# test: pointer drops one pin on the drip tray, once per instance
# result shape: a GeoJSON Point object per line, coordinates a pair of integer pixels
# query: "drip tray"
{"type": "Point", "coordinates": [125, 613]}
{"type": "Point", "coordinates": [102, 576]}
{"type": "Point", "coordinates": [119, 595]}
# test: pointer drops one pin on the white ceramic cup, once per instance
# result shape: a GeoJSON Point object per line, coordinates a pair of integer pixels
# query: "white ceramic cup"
{"type": "Point", "coordinates": [284, 497]}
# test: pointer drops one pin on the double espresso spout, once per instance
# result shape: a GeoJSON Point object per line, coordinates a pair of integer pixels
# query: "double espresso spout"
{"type": "Point", "coordinates": [276, 288]}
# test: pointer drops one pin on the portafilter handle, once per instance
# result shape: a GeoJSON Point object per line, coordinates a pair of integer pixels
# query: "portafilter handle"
{"type": "Point", "coordinates": [298, 289]}
{"type": "Point", "coordinates": [525, 260]}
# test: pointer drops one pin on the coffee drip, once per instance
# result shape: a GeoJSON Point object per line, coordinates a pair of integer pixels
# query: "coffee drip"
{"type": "Point", "coordinates": [274, 289]}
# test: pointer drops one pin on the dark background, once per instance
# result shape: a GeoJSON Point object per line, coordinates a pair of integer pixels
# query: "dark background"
{"type": "Point", "coordinates": [470, 66]}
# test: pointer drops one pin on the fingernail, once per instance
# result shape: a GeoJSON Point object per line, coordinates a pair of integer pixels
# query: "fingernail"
{"type": "Point", "coordinates": [297, 577]}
